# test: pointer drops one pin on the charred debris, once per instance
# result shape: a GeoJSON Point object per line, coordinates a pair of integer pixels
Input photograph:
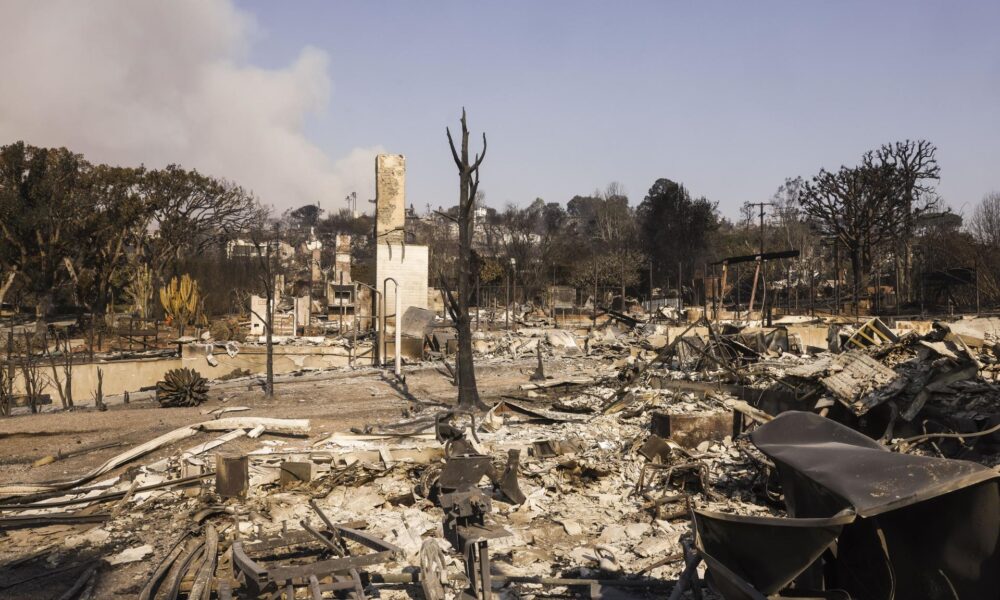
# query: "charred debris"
{"type": "Point", "coordinates": [687, 460]}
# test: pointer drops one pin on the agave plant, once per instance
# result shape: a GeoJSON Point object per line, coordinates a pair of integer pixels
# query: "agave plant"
{"type": "Point", "coordinates": [182, 387]}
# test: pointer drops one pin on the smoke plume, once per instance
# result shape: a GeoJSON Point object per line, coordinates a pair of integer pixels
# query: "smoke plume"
{"type": "Point", "coordinates": [155, 83]}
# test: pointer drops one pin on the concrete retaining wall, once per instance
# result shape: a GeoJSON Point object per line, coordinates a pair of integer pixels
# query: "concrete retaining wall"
{"type": "Point", "coordinates": [131, 375]}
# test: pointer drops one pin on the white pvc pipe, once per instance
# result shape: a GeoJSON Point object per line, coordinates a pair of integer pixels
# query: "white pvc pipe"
{"type": "Point", "coordinates": [399, 333]}
{"type": "Point", "coordinates": [398, 369]}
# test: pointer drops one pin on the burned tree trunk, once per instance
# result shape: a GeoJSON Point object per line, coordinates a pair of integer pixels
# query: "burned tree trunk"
{"type": "Point", "coordinates": [856, 274]}
{"type": "Point", "coordinates": [468, 177]}
{"type": "Point", "coordinates": [269, 341]}
{"type": "Point", "coordinates": [267, 276]}
{"type": "Point", "coordinates": [267, 267]}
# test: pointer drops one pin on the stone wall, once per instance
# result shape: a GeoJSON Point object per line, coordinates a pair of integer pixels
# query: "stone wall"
{"type": "Point", "coordinates": [390, 198]}
{"type": "Point", "coordinates": [342, 259]}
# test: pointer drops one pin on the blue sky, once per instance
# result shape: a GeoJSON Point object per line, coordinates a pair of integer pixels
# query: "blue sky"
{"type": "Point", "coordinates": [728, 98]}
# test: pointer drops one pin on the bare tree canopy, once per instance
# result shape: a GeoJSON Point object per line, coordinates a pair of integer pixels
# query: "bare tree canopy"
{"type": "Point", "coordinates": [192, 211]}
{"type": "Point", "coordinates": [985, 224]}
{"type": "Point", "coordinates": [872, 206]}
{"type": "Point", "coordinates": [857, 207]}
{"type": "Point", "coordinates": [914, 163]}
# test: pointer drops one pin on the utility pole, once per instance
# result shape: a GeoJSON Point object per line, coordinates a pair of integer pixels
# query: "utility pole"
{"type": "Point", "coordinates": [759, 273]}
{"type": "Point", "coordinates": [761, 205]}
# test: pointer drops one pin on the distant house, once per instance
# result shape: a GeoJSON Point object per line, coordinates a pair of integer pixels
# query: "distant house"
{"type": "Point", "coordinates": [241, 249]}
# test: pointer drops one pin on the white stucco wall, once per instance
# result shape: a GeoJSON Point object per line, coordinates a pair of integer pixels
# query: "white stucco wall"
{"type": "Point", "coordinates": [407, 265]}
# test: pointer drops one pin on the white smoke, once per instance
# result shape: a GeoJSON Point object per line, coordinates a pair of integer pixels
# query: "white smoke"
{"type": "Point", "coordinates": [129, 82]}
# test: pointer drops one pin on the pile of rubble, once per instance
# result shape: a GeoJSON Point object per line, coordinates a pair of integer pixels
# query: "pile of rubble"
{"type": "Point", "coordinates": [732, 464]}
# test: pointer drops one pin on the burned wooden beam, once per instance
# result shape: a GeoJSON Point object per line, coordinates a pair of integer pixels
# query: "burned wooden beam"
{"type": "Point", "coordinates": [31, 521]}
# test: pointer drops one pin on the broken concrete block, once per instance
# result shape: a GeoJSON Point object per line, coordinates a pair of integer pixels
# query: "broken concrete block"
{"type": "Point", "coordinates": [976, 332]}
{"type": "Point", "coordinates": [131, 555]}
{"type": "Point", "coordinates": [572, 527]}
{"type": "Point", "coordinates": [528, 557]}
{"type": "Point", "coordinates": [613, 533]}
{"type": "Point", "coordinates": [190, 469]}
{"type": "Point", "coordinates": [637, 530]}
{"type": "Point", "coordinates": [417, 321]}
{"type": "Point", "coordinates": [562, 341]}
{"type": "Point", "coordinates": [297, 471]}
{"type": "Point", "coordinates": [654, 546]}
{"type": "Point", "coordinates": [655, 341]}
{"type": "Point", "coordinates": [545, 448]}
{"type": "Point", "coordinates": [362, 500]}
{"type": "Point", "coordinates": [93, 537]}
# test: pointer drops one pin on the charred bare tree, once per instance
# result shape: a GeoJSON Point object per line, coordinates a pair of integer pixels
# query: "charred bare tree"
{"type": "Point", "coordinates": [858, 207]}
{"type": "Point", "coordinates": [7, 376]}
{"type": "Point", "coordinates": [266, 263]}
{"type": "Point", "coordinates": [6, 389]}
{"type": "Point", "coordinates": [468, 177]}
{"type": "Point", "coordinates": [64, 385]}
{"type": "Point", "coordinates": [99, 392]}
{"type": "Point", "coordinates": [31, 376]}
